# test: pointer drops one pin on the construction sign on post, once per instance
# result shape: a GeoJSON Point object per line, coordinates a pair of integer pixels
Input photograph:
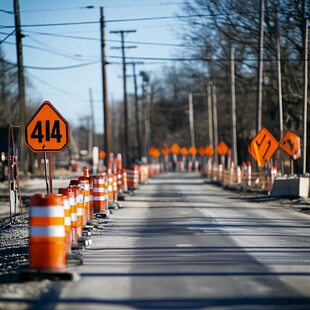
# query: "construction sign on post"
{"type": "Point", "coordinates": [154, 152]}
{"type": "Point", "coordinates": [165, 150]}
{"type": "Point", "coordinates": [222, 148]}
{"type": "Point", "coordinates": [209, 151]}
{"type": "Point", "coordinates": [263, 146]}
{"type": "Point", "coordinates": [175, 149]}
{"type": "Point", "coordinates": [184, 151]}
{"type": "Point", "coordinates": [290, 144]}
{"type": "Point", "coordinates": [192, 150]}
{"type": "Point", "coordinates": [47, 130]}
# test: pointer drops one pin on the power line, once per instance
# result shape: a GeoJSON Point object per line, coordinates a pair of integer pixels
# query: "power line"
{"type": "Point", "coordinates": [95, 39]}
{"type": "Point", "coordinates": [199, 59]}
{"type": "Point", "coordinates": [63, 91]}
{"type": "Point", "coordinates": [55, 68]}
{"type": "Point", "coordinates": [7, 36]}
{"type": "Point", "coordinates": [47, 50]}
{"type": "Point", "coordinates": [158, 59]}
{"type": "Point", "coordinates": [142, 19]}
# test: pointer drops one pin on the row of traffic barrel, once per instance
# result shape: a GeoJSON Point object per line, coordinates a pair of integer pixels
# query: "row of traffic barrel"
{"type": "Point", "coordinates": [60, 224]}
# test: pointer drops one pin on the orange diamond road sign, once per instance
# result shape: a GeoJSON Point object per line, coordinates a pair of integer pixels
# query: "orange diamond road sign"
{"type": "Point", "coordinates": [184, 151]}
{"type": "Point", "coordinates": [202, 151]}
{"type": "Point", "coordinates": [192, 150]}
{"type": "Point", "coordinates": [175, 149]}
{"type": "Point", "coordinates": [154, 152]}
{"type": "Point", "coordinates": [165, 150]}
{"type": "Point", "coordinates": [290, 144]}
{"type": "Point", "coordinates": [263, 146]}
{"type": "Point", "coordinates": [102, 154]}
{"type": "Point", "coordinates": [47, 130]}
{"type": "Point", "coordinates": [209, 150]}
{"type": "Point", "coordinates": [222, 148]}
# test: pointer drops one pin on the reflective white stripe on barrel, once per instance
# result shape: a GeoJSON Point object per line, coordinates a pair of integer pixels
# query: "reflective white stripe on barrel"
{"type": "Point", "coordinates": [99, 181]}
{"type": "Point", "coordinates": [47, 231]}
{"type": "Point", "coordinates": [67, 221]}
{"type": "Point", "coordinates": [79, 211]}
{"type": "Point", "coordinates": [79, 198]}
{"type": "Point", "coordinates": [50, 211]}
{"type": "Point", "coordinates": [73, 217]}
{"type": "Point", "coordinates": [99, 190]}
{"type": "Point", "coordinates": [99, 198]}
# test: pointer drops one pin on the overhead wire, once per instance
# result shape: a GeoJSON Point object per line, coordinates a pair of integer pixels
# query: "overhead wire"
{"type": "Point", "coordinates": [54, 68]}
{"type": "Point", "coordinates": [140, 19]}
{"type": "Point", "coordinates": [7, 36]}
{"type": "Point", "coordinates": [98, 39]}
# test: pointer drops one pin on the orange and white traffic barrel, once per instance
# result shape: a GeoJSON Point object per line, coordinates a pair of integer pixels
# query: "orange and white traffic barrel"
{"type": "Point", "coordinates": [69, 192]}
{"type": "Point", "coordinates": [80, 210]}
{"type": "Point", "coordinates": [84, 184]}
{"type": "Point", "coordinates": [91, 198]}
{"type": "Point", "coordinates": [47, 247]}
{"type": "Point", "coordinates": [189, 166]}
{"type": "Point", "coordinates": [115, 187]}
{"type": "Point", "coordinates": [120, 181]}
{"type": "Point", "coordinates": [125, 187]}
{"type": "Point", "coordinates": [67, 222]}
{"type": "Point", "coordinates": [196, 166]}
{"type": "Point", "coordinates": [220, 171]}
{"type": "Point", "coordinates": [273, 175]}
{"type": "Point", "coordinates": [249, 175]}
{"type": "Point", "coordinates": [239, 179]}
{"type": "Point", "coordinates": [133, 177]}
{"type": "Point", "coordinates": [110, 178]}
{"type": "Point", "coordinates": [100, 202]}
{"type": "Point", "coordinates": [80, 201]}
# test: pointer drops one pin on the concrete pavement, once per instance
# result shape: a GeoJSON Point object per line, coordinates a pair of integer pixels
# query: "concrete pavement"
{"type": "Point", "coordinates": [181, 244]}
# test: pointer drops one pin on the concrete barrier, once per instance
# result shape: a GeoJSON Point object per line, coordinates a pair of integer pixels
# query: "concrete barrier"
{"type": "Point", "coordinates": [290, 187]}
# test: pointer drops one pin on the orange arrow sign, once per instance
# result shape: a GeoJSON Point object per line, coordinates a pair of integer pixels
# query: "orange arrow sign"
{"type": "Point", "coordinates": [263, 146]}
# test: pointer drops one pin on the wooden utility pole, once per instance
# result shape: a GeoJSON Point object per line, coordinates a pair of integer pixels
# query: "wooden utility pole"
{"type": "Point", "coordinates": [280, 91]}
{"type": "Point", "coordinates": [92, 121]}
{"type": "Point", "coordinates": [106, 116]}
{"type": "Point", "coordinates": [260, 66]}
{"type": "Point", "coordinates": [191, 119]}
{"type": "Point", "coordinates": [305, 97]}
{"type": "Point", "coordinates": [215, 131]}
{"type": "Point", "coordinates": [126, 133]}
{"type": "Point", "coordinates": [233, 109]}
{"type": "Point", "coordinates": [210, 115]}
{"type": "Point", "coordinates": [279, 85]}
{"type": "Point", "coordinates": [21, 85]}
{"type": "Point", "coordinates": [138, 135]}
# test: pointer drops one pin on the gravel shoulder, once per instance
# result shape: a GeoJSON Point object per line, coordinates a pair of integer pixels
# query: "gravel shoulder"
{"type": "Point", "coordinates": [13, 259]}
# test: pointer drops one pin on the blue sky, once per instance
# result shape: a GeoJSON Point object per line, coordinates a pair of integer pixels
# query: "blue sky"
{"type": "Point", "coordinates": [48, 47]}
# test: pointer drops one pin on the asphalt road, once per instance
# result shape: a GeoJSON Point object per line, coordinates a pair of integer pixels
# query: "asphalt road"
{"type": "Point", "coordinates": [179, 243]}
